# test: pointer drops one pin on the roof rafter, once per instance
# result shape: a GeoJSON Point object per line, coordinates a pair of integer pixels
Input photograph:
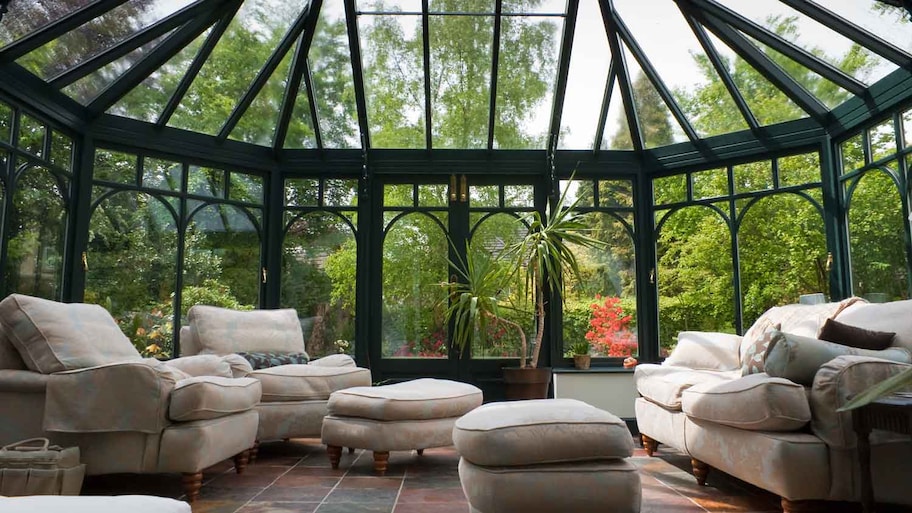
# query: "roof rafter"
{"type": "Point", "coordinates": [426, 59]}
{"type": "Point", "coordinates": [299, 69]}
{"type": "Point", "coordinates": [620, 64]}
{"type": "Point", "coordinates": [495, 67]}
{"type": "Point", "coordinates": [606, 103]}
{"type": "Point", "coordinates": [351, 19]}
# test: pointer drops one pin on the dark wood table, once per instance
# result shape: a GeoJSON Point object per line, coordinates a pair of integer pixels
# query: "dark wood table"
{"type": "Point", "coordinates": [893, 413]}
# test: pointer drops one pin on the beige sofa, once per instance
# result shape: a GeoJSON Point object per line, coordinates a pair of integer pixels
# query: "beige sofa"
{"type": "Point", "coordinates": [294, 395]}
{"type": "Point", "coordinates": [779, 429]}
{"type": "Point", "coordinates": [69, 374]}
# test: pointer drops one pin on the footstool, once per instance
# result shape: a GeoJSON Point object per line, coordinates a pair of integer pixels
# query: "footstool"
{"type": "Point", "coordinates": [410, 415]}
{"type": "Point", "coordinates": [549, 455]}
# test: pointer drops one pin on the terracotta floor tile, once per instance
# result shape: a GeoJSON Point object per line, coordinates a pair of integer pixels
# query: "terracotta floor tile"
{"type": "Point", "coordinates": [442, 507]}
{"type": "Point", "coordinates": [279, 507]}
{"type": "Point", "coordinates": [431, 495]}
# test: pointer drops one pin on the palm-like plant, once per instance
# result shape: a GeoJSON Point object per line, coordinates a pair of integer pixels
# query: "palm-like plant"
{"type": "Point", "coordinates": [543, 255]}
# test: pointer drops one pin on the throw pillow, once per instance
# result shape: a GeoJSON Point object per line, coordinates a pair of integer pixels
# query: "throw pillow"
{"type": "Point", "coordinates": [266, 360]}
{"type": "Point", "coordinates": [752, 362]}
{"type": "Point", "coordinates": [225, 331]}
{"type": "Point", "coordinates": [706, 350]}
{"type": "Point", "coordinates": [798, 358]}
{"type": "Point", "coordinates": [848, 335]}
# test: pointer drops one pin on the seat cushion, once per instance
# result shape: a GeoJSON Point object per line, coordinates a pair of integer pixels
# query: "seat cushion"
{"type": "Point", "coordinates": [308, 382]}
{"type": "Point", "coordinates": [210, 397]}
{"type": "Point", "coordinates": [755, 402]}
{"type": "Point", "coordinates": [663, 384]}
{"type": "Point", "coordinates": [223, 331]}
{"type": "Point", "coordinates": [419, 399]}
{"type": "Point", "coordinates": [540, 431]}
{"type": "Point", "coordinates": [53, 337]}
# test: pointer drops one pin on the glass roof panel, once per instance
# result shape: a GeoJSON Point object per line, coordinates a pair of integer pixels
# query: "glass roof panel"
{"type": "Point", "coordinates": [6, 122]}
{"type": "Point", "coordinates": [301, 132]}
{"type": "Point", "coordinates": [466, 6]}
{"type": "Point", "coordinates": [389, 6]}
{"type": "Point", "coordinates": [586, 79]}
{"type": "Point", "coordinates": [258, 124]}
{"type": "Point", "coordinates": [35, 17]}
{"type": "Point", "coordinates": [535, 6]}
{"type": "Point", "coordinates": [657, 124]}
{"type": "Point", "coordinates": [241, 52]}
{"type": "Point", "coordinates": [88, 87]}
{"type": "Point", "coordinates": [680, 61]}
{"type": "Point", "coordinates": [768, 104]}
{"type": "Point", "coordinates": [98, 35]}
{"type": "Point", "coordinates": [394, 80]}
{"type": "Point", "coordinates": [816, 38]}
{"type": "Point", "coordinates": [461, 48]}
{"type": "Point", "coordinates": [147, 100]}
{"type": "Point", "coordinates": [334, 88]}
{"type": "Point", "coordinates": [526, 76]}
{"type": "Point", "coordinates": [886, 21]}
{"type": "Point", "coordinates": [824, 90]}
{"type": "Point", "coordinates": [617, 130]}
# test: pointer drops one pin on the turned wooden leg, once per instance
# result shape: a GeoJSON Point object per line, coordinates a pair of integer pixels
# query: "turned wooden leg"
{"type": "Point", "coordinates": [192, 484]}
{"type": "Point", "coordinates": [254, 451]}
{"type": "Point", "coordinates": [420, 452]}
{"type": "Point", "coordinates": [381, 461]}
{"type": "Point", "coordinates": [700, 470]}
{"type": "Point", "coordinates": [351, 450]}
{"type": "Point", "coordinates": [813, 506]}
{"type": "Point", "coordinates": [649, 444]}
{"type": "Point", "coordinates": [240, 461]}
{"type": "Point", "coordinates": [335, 455]}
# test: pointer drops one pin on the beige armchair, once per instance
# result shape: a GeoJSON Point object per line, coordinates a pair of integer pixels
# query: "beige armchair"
{"type": "Point", "coordinates": [294, 394]}
{"type": "Point", "coordinates": [68, 373]}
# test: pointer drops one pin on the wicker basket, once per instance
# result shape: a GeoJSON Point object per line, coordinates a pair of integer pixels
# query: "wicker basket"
{"type": "Point", "coordinates": [34, 467]}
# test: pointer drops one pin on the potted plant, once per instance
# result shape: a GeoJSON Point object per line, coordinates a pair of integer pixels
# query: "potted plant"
{"type": "Point", "coordinates": [579, 351]}
{"type": "Point", "coordinates": [540, 257]}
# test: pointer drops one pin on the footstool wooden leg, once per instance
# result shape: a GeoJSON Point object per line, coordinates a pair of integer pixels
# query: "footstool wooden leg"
{"type": "Point", "coordinates": [700, 470]}
{"type": "Point", "coordinates": [192, 483]}
{"type": "Point", "coordinates": [649, 444]}
{"type": "Point", "coordinates": [240, 461]}
{"type": "Point", "coordinates": [335, 455]}
{"type": "Point", "coordinates": [254, 451]}
{"type": "Point", "coordinates": [381, 461]}
{"type": "Point", "coordinates": [420, 452]}
{"type": "Point", "coordinates": [351, 450]}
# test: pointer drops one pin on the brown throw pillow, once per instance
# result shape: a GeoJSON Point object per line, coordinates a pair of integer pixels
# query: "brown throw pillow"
{"type": "Point", "coordinates": [848, 335]}
{"type": "Point", "coordinates": [752, 363]}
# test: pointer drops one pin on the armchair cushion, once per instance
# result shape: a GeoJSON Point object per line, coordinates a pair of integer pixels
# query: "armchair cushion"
{"type": "Point", "coordinates": [756, 402]}
{"type": "Point", "coordinates": [308, 382]}
{"type": "Point", "coordinates": [223, 331]}
{"type": "Point", "coordinates": [706, 351]}
{"type": "Point", "coordinates": [264, 360]}
{"type": "Point", "coordinates": [53, 337]}
{"type": "Point", "coordinates": [799, 358]}
{"type": "Point", "coordinates": [210, 397]}
{"type": "Point", "coordinates": [202, 365]}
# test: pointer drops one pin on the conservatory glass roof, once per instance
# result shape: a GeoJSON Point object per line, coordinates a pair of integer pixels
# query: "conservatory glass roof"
{"type": "Point", "coordinates": [459, 74]}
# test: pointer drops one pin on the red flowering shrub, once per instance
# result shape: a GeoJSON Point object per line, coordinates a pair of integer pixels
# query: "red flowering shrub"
{"type": "Point", "coordinates": [609, 331]}
{"type": "Point", "coordinates": [431, 346]}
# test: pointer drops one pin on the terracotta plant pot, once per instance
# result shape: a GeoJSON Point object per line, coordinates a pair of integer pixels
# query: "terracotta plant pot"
{"type": "Point", "coordinates": [526, 383]}
{"type": "Point", "coordinates": [582, 361]}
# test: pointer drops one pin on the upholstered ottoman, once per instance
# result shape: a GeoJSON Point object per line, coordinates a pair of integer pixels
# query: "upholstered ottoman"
{"type": "Point", "coordinates": [549, 455]}
{"type": "Point", "coordinates": [411, 415]}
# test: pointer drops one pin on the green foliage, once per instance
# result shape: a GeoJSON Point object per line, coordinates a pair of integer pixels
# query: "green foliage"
{"type": "Point", "coordinates": [579, 347]}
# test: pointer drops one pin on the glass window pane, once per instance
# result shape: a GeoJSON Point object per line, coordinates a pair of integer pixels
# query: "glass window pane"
{"type": "Point", "coordinates": [114, 166]}
{"type": "Point", "coordinates": [206, 181]}
{"type": "Point", "coordinates": [414, 264]}
{"type": "Point", "coordinates": [394, 80]}
{"type": "Point", "coordinates": [318, 280]}
{"type": "Point", "coordinates": [670, 189]}
{"type": "Point", "coordinates": [162, 174]}
{"type": "Point", "coordinates": [434, 195]}
{"type": "Point", "coordinates": [465, 6]}
{"type": "Point", "coordinates": [35, 235]}
{"type": "Point", "coordinates": [461, 80]}
{"type": "Point", "coordinates": [258, 124]}
{"type": "Point", "coordinates": [799, 170]}
{"type": "Point", "coordinates": [390, 5]}
{"type": "Point", "coordinates": [6, 122]}
{"type": "Point", "coordinates": [582, 190]}
{"type": "Point", "coordinates": [302, 192]}
{"type": "Point", "coordinates": [540, 6]}
{"type": "Point", "coordinates": [887, 21]}
{"type": "Point", "coordinates": [25, 21]}
{"type": "Point", "coordinates": [526, 77]}
{"type": "Point", "coordinates": [601, 308]}
{"type": "Point", "coordinates": [657, 125]}
{"type": "Point", "coordinates": [883, 140]}
{"type": "Point", "coordinates": [777, 270]}
{"type": "Point", "coordinates": [586, 79]}
{"type": "Point", "coordinates": [876, 235]}
{"type": "Point", "coordinates": [31, 135]}
{"type": "Point", "coordinates": [61, 150]}
{"type": "Point", "coordinates": [695, 276]}
{"type": "Point", "coordinates": [710, 184]}
{"type": "Point", "coordinates": [519, 196]}
{"type": "Point", "coordinates": [852, 154]}
{"type": "Point", "coordinates": [615, 193]}
{"type": "Point", "coordinates": [340, 193]}
{"type": "Point", "coordinates": [222, 259]}
{"type": "Point", "coordinates": [617, 130]}
{"type": "Point", "coordinates": [132, 257]}
{"type": "Point", "coordinates": [907, 128]}
{"type": "Point", "coordinates": [755, 176]}
{"type": "Point", "coordinates": [484, 196]}
{"type": "Point", "coordinates": [246, 188]}
{"type": "Point", "coordinates": [399, 195]}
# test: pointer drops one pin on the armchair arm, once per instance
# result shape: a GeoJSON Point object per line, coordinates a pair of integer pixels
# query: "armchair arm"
{"type": "Point", "coordinates": [126, 396]}
{"type": "Point", "coordinates": [334, 360]}
{"type": "Point", "coordinates": [23, 381]}
{"type": "Point", "coordinates": [838, 381]}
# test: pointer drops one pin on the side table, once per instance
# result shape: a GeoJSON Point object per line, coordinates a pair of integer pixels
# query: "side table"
{"type": "Point", "coordinates": [893, 413]}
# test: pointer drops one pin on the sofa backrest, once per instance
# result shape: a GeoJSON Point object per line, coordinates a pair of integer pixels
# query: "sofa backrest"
{"type": "Point", "coordinates": [895, 317]}
{"type": "Point", "coordinates": [224, 331]}
{"type": "Point", "coordinates": [9, 356]}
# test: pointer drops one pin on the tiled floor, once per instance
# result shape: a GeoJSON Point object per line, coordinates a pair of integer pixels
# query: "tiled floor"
{"type": "Point", "coordinates": [295, 477]}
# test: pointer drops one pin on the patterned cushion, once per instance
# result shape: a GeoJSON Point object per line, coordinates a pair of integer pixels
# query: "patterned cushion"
{"type": "Point", "coordinates": [756, 342]}
{"type": "Point", "coordinates": [266, 360]}
{"type": "Point", "coordinates": [53, 337]}
{"type": "Point", "coordinates": [224, 331]}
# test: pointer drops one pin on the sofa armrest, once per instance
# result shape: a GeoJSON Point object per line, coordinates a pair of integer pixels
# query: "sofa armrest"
{"type": "Point", "coordinates": [838, 381]}
{"type": "Point", "coordinates": [23, 381]}
{"type": "Point", "coordinates": [127, 396]}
